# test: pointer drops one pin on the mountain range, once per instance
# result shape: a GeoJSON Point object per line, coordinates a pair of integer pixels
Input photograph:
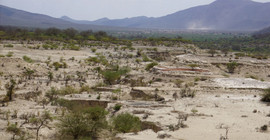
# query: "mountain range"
{"type": "Point", "coordinates": [14, 17]}
{"type": "Point", "coordinates": [229, 15]}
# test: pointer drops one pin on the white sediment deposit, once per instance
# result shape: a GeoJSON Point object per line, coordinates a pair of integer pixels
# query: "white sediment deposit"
{"type": "Point", "coordinates": [241, 83]}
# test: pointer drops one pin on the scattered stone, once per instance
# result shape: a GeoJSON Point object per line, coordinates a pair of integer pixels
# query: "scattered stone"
{"type": "Point", "coordinates": [145, 116]}
{"type": "Point", "coordinates": [163, 135]}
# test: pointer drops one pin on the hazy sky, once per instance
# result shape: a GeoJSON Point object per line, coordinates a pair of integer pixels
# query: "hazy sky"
{"type": "Point", "coordinates": [113, 9]}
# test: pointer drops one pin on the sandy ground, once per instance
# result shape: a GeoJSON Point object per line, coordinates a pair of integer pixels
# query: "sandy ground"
{"type": "Point", "coordinates": [222, 100]}
{"type": "Point", "coordinates": [232, 111]}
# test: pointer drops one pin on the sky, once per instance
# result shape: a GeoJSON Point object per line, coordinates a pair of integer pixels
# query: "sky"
{"type": "Point", "coordinates": [113, 9]}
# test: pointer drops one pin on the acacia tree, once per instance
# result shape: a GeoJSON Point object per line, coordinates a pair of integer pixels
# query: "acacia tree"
{"type": "Point", "coordinates": [212, 51]}
{"type": "Point", "coordinates": [10, 89]}
{"type": "Point", "coordinates": [50, 76]}
{"type": "Point", "coordinates": [67, 78]}
{"type": "Point", "coordinates": [28, 73]}
{"type": "Point", "coordinates": [225, 51]}
{"type": "Point", "coordinates": [15, 130]}
{"type": "Point", "coordinates": [52, 94]}
{"type": "Point", "coordinates": [112, 76]}
{"type": "Point", "coordinates": [41, 121]}
{"type": "Point", "coordinates": [85, 122]}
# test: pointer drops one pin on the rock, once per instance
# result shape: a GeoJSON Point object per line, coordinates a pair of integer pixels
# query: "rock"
{"type": "Point", "coordinates": [145, 116]}
{"type": "Point", "coordinates": [139, 94]}
{"type": "Point", "coordinates": [162, 135]}
{"type": "Point", "coordinates": [151, 125]}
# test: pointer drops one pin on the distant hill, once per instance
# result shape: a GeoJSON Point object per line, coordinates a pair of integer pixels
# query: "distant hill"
{"type": "Point", "coordinates": [220, 15]}
{"type": "Point", "coordinates": [14, 17]}
{"type": "Point", "coordinates": [223, 15]}
{"type": "Point", "coordinates": [66, 18]}
{"type": "Point", "coordinates": [126, 22]}
{"type": "Point", "coordinates": [264, 33]}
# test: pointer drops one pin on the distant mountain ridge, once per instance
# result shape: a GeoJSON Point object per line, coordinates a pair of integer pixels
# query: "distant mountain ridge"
{"type": "Point", "coordinates": [227, 15]}
{"type": "Point", "coordinates": [219, 15]}
{"type": "Point", "coordinates": [264, 33]}
{"type": "Point", "coordinates": [14, 17]}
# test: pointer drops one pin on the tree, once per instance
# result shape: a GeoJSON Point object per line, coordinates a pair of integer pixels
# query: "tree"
{"type": "Point", "coordinates": [70, 32]}
{"type": "Point", "coordinates": [126, 122]}
{"type": "Point", "coordinates": [15, 130]}
{"type": "Point", "coordinates": [85, 122]}
{"type": "Point", "coordinates": [74, 124]}
{"type": "Point", "coordinates": [67, 78]}
{"type": "Point", "coordinates": [28, 73]}
{"type": "Point", "coordinates": [52, 94]}
{"type": "Point", "coordinates": [41, 121]}
{"type": "Point", "coordinates": [50, 76]}
{"type": "Point", "coordinates": [52, 32]}
{"type": "Point", "coordinates": [111, 76]}
{"type": "Point", "coordinates": [44, 102]}
{"type": "Point", "coordinates": [225, 51]}
{"type": "Point", "coordinates": [10, 89]}
{"type": "Point", "coordinates": [175, 96]}
{"type": "Point", "coordinates": [38, 32]}
{"type": "Point", "coordinates": [86, 34]}
{"type": "Point", "coordinates": [212, 51]}
{"type": "Point", "coordinates": [231, 66]}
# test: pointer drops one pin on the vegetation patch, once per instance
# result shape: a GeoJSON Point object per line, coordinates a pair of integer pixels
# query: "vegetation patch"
{"type": "Point", "coordinates": [266, 95]}
{"type": "Point", "coordinates": [126, 123]}
{"type": "Point", "coordinates": [27, 59]}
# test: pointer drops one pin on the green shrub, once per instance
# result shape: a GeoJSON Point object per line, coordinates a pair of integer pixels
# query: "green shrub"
{"type": "Point", "coordinates": [8, 46]}
{"type": "Point", "coordinates": [46, 46]}
{"type": "Point", "coordinates": [117, 107]}
{"type": "Point", "coordinates": [193, 66]}
{"type": "Point", "coordinates": [240, 54]}
{"type": "Point", "coordinates": [74, 47]}
{"type": "Point", "coordinates": [252, 77]}
{"type": "Point", "coordinates": [231, 66]}
{"type": "Point", "coordinates": [93, 50]}
{"type": "Point", "coordinates": [52, 93]}
{"type": "Point", "coordinates": [138, 60]}
{"type": "Point", "coordinates": [68, 90]}
{"type": "Point", "coordinates": [15, 130]}
{"type": "Point", "coordinates": [151, 65]}
{"type": "Point", "coordinates": [145, 58]}
{"type": "Point", "coordinates": [196, 79]}
{"type": "Point", "coordinates": [9, 54]}
{"type": "Point", "coordinates": [126, 123]}
{"type": "Point", "coordinates": [264, 128]}
{"type": "Point", "coordinates": [85, 88]}
{"type": "Point", "coordinates": [58, 65]}
{"type": "Point", "coordinates": [99, 59]}
{"type": "Point", "coordinates": [83, 123]}
{"type": "Point", "coordinates": [27, 59]}
{"type": "Point", "coordinates": [266, 95]}
{"type": "Point", "coordinates": [111, 76]}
